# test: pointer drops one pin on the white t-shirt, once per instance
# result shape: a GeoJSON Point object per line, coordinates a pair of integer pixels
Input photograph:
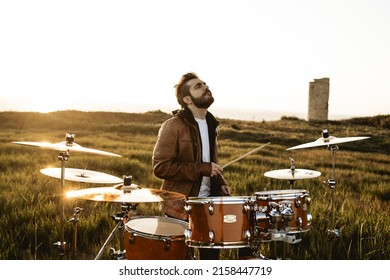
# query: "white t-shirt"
{"type": "Point", "coordinates": [204, 134]}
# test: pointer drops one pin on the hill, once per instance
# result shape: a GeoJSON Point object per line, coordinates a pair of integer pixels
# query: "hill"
{"type": "Point", "coordinates": [288, 131]}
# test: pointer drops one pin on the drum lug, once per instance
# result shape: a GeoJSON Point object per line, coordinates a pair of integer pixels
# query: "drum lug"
{"type": "Point", "coordinates": [288, 214]}
{"type": "Point", "coordinates": [275, 216]}
{"type": "Point", "coordinates": [187, 208]}
{"type": "Point", "coordinates": [132, 237]}
{"type": "Point", "coordinates": [260, 216]}
{"type": "Point", "coordinates": [211, 236]}
{"type": "Point", "coordinates": [297, 203]}
{"type": "Point", "coordinates": [187, 233]}
{"type": "Point", "coordinates": [309, 217]}
{"type": "Point", "coordinates": [247, 235]}
{"type": "Point", "coordinates": [247, 205]}
{"type": "Point", "coordinates": [167, 244]}
{"type": "Point", "coordinates": [211, 208]}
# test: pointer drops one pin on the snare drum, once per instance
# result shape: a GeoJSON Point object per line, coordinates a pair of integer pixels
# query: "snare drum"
{"type": "Point", "coordinates": [218, 222]}
{"type": "Point", "coordinates": [155, 238]}
{"type": "Point", "coordinates": [282, 210]}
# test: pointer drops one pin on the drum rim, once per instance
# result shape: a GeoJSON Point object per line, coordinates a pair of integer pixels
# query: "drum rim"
{"type": "Point", "coordinates": [282, 192]}
{"type": "Point", "coordinates": [220, 199]}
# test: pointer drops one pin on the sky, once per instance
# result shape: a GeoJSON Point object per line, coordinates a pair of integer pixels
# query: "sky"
{"type": "Point", "coordinates": [256, 56]}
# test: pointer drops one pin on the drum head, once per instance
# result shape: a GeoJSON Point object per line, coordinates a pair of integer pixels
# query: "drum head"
{"type": "Point", "coordinates": [161, 226]}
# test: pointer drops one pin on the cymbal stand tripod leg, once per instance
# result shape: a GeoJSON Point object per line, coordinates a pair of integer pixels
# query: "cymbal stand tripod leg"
{"type": "Point", "coordinates": [63, 157]}
{"type": "Point", "coordinates": [117, 227]}
{"type": "Point", "coordinates": [332, 233]}
{"type": "Point", "coordinates": [119, 218]}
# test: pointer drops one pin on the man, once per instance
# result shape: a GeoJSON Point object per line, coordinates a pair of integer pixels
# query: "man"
{"type": "Point", "coordinates": [185, 154]}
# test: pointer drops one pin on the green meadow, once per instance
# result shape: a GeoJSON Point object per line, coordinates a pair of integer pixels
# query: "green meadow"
{"type": "Point", "coordinates": [30, 201]}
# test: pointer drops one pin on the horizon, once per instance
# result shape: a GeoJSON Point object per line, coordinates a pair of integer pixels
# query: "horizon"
{"type": "Point", "coordinates": [221, 113]}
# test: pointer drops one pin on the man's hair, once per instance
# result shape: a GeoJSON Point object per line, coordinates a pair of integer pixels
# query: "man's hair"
{"type": "Point", "coordinates": [182, 88]}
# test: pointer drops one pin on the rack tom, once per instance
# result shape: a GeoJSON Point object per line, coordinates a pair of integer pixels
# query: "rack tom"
{"type": "Point", "coordinates": [282, 211]}
{"type": "Point", "coordinates": [219, 222]}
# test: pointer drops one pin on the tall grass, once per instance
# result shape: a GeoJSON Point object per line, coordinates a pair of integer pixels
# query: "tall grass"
{"type": "Point", "coordinates": [29, 200]}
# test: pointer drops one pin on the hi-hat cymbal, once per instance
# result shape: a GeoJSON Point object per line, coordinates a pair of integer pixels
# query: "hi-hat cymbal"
{"type": "Point", "coordinates": [331, 140]}
{"type": "Point", "coordinates": [82, 175]}
{"type": "Point", "coordinates": [289, 174]}
{"type": "Point", "coordinates": [128, 194]}
{"type": "Point", "coordinates": [65, 146]}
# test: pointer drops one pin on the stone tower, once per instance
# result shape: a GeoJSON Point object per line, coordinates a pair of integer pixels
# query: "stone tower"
{"type": "Point", "coordinates": [318, 100]}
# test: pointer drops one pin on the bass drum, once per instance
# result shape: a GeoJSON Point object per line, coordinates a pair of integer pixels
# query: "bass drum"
{"type": "Point", "coordinates": [155, 238]}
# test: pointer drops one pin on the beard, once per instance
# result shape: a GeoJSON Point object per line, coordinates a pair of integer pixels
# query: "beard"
{"type": "Point", "coordinates": [204, 101]}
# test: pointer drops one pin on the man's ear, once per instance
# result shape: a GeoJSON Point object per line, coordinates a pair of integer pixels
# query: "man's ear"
{"type": "Point", "coordinates": [187, 100]}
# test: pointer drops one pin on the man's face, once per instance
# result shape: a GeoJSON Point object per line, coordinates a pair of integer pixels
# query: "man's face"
{"type": "Point", "coordinates": [200, 94]}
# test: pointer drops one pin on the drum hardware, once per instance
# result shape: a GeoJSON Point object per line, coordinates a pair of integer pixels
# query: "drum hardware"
{"type": "Point", "coordinates": [64, 147]}
{"type": "Point", "coordinates": [331, 143]}
{"type": "Point", "coordinates": [332, 232]}
{"type": "Point", "coordinates": [120, 219]}
{"type": "Point", "coordinates": [63, 158]}
{"type": "Point", "coordinates": [74, 220]}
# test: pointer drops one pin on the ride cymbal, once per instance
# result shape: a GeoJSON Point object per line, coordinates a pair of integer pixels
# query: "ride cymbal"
{"type": "Point", "coordinates": [82, 175]}
{"type": "Point", "coordinates": [289, 174]}
{"type": "Point", "coordinates": [126, 194]}
{"type": "Point", "coordinates": [66, 146]}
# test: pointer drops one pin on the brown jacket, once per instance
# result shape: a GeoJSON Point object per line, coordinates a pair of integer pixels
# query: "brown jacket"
{"type": "Point", "coordinates": [177, 158]}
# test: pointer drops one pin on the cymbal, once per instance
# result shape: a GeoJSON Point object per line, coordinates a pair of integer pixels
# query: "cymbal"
{"type": "Point", "coordinates": [82, 175]}
{"type": "Point", "coordinates": [331, 140]}
{"type": "Point", "coordinates": [128, 194]}
{"type": "Point", "coordinates": [65, 146]}
{"type": "Point", "coordinates": [289, 174]}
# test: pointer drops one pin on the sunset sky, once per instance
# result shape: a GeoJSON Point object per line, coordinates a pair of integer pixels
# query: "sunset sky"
{"type": "Point", "coordinates": [256, 56]}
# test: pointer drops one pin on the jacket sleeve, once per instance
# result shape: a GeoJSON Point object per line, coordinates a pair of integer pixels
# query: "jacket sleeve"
{"type": "Point", "coordinates": [174, 156]}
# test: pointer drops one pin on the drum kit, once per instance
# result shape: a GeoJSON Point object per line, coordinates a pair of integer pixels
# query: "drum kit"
{"type": "Point", "coordinates": [227, 222]}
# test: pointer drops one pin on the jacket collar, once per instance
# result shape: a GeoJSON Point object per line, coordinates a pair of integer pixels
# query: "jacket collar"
{"type": "Point", "coordinates": [186, 114]}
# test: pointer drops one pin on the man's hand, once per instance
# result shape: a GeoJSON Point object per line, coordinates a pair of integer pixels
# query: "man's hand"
{"type": "Point", "coordinates": [216, 169]}
{"type": "Point", "coordinates": [225, 190]}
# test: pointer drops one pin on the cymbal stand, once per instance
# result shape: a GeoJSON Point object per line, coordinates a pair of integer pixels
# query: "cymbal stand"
{"type": "Point", "coordinates": [74, 220]}
{"type": "Point", "coordinates": [332, 233]}
{"type": "Point", "coordinates": [120, 218]}
{"type": "Point", "coordinates": [63, 157]}
{"type": "Point", "coordinates": [292, 168]}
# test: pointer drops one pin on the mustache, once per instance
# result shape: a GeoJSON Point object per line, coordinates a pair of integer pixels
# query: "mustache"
{"type": "Point", "coordinates": [207, 92]}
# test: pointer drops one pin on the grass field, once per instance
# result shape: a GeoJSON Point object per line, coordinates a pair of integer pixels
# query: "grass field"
{"type": "Point", "coordinates": [30, 201]}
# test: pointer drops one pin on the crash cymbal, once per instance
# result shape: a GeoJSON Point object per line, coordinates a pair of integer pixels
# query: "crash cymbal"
{"type": "Point", "coordinates": [66, 146]}
{"type": "Point", "coordinates": [327, 141]}
{"type": "Point", "coordinates": [82, 175]}
{"type": "Point", "coordinates": [289, 174]}
{"type": "Point", "coordinates": [127, 194]}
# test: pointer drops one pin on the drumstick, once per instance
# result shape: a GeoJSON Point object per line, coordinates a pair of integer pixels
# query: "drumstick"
{"type": "Point", "coordinates": [245, 155]}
